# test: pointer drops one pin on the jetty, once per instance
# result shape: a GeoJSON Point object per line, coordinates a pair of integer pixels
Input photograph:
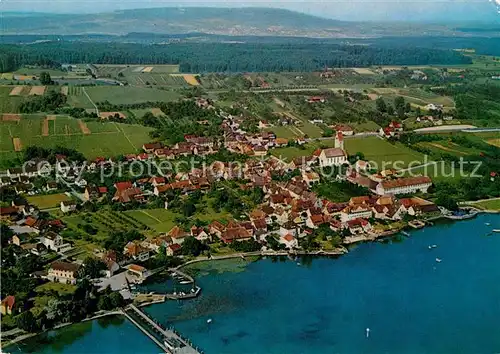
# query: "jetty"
{"type": "Point", "coordinates": [167, 339]}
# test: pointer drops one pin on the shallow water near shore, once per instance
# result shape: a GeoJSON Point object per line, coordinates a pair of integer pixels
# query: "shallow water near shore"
{"type": "Point", "coordinates": [410, 302]}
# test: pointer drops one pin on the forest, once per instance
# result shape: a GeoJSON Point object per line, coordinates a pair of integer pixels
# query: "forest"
{"type": "Point", "coordinates": [226, 57]}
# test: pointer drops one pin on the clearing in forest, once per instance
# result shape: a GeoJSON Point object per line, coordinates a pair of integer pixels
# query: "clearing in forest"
{"type": "Point", "coordinates": [10, 117]}
{"type": "Point", "coordinates": [191, 79]}
{"type": "Point", "coordinates": [16, 91]}
{"type": "Point", "coordinates": [363, 71]}
{"type": "Point", "coordinates": [37, 91]}
{"type": "Point", "coordinates": [157, 112]}
{"type": "Point", "coordinates": [83, 127]}
{"type": "Point", "coordinates": [65, 90]}
{"type": "Point", "coordinates": [17, 144]}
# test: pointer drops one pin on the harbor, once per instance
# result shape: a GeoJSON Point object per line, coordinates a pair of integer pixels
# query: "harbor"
{"type": "Point", "coordinates": [167, 340]}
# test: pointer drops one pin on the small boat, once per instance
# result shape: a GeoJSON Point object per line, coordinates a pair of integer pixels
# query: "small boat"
{"type": "Point", "coordinates": [298, 263]}
{"type": "Point", "coordinates": [487, 223]}
{"type": "Point", "coordinates": [209, 320]}
{"type": "Point", "coordinates": [438, 260]}
{"type": "Point", "coordinates": [367, 332]}
{"type": "Point", "coordinates": [185, 282]}
{"type": "Point", "coordinates": [405, 233]}
{"type": "Point", "coordinates": [432, 246]}
{"type": "Point", "coordinates": [496, 230]}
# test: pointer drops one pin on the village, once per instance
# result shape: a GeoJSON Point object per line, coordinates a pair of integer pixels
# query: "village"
{"type": "Point", "coordinates": [290, 217]}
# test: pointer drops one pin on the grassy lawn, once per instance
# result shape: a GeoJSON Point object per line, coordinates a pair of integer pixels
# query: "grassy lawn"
{"type": "Point", "coordinates": [47, 201]}
{"type": "Point", "coordinates": [493, 204]}
{"type": "Point", "coordinates": [449, 147]}
{"type": "Point", "coordinates": [61, 289]}
{"type": "Point", "coordinates": [312, 130]}
{"type": "Point", "coordinates": [368, 126]}
{"type": "Point", "coordinates": [162, 220]}
{"type": "Point", "coordinates": [284, 132]}
{"type": "Point", "coordinates": [129, 94]}
{"type": "Point", "coordinates": [381, 151]}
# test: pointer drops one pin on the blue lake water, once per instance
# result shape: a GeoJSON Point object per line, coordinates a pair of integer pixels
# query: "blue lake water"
{"type": "Point", "coordinates": [106, 335]}
{"type": "Point", "coordinates": [410, 302]}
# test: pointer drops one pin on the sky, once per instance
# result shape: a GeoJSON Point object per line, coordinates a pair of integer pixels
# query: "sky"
{"type": "Point", "coordinates": [355, 10]}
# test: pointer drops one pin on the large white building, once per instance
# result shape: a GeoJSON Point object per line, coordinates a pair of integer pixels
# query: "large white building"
{"type": "Point", "coordinates": [407, 185]}
{"type": "Point", "coordinates": [332, 157]}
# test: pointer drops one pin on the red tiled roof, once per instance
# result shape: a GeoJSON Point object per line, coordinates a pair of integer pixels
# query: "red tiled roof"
{"type": "Point", "coordinates": [9, 302]}
{"type": "Point", "coordinates": [123, 185]}
{"type": "Point", "coordinates": [405, 182]}
{"type": "Point", "coordinates": [64, 266]}
{"type": "Point", "coordinates": [334, 152]}
{"type": "Point", "coordinates": [174, 247]}
{"type": "Point", "coordinates": [8, 210]}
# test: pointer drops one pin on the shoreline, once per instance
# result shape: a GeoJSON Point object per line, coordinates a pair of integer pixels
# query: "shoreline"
{"type": "Point", "coordinates": [59, 326]}
{"type": "Point", "coordinates": [334, 253]}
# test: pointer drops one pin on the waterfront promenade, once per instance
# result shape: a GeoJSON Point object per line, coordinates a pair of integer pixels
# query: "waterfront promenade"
{"type": "Point", "coordinates": [168, 340]}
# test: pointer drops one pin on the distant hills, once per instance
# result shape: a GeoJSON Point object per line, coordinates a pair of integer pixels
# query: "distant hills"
{"type": "Point", "coordinates": [220, 21]}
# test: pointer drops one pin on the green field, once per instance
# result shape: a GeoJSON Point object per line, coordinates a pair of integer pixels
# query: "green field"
{"type": "Point", "coordinates": [47, 201]}
{"type": "Point", "coordinates": [129, 94]}
{"type": "Point", "coordinates": [415, 96]}
{"type": "Point", "coordinates": [106, 138]}
{"type": "Point", "coordinates": [285, 132]}
{"type": "Point", "coordinates": [9, 104]}
{"type": "Point", "coordinates": [375, 149]}
{"type": "Point", "coordinates": [379, 151]}
{"type": "Point", "coordinates": [448, 147]}
{"type": "Point", "coordinates": [162, 220]}
{"type": "Point", "coordinates": [78, 99]}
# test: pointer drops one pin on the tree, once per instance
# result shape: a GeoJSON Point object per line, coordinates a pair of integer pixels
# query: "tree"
{"type": "Point", "coordinates": [5, 234]}
{"type": "Point", "coordinates": [192, 246]}
{"type": "Point", "coordinates": [116, 299]}
{"type": "Point", "coordinates": [188, 209]}
{"type": "Point", "coordinates": [390, 110]}
{"type": "Point", "coordinates": [380, 104]}
{"type": "Point", "coordinates": [26, 321]}
{"type": "Point", "coordinates": [447, 201]}
{"type": "Point", "coordinates": [92, 268]}
{"type": "Point", "coordinates": [399, 102]}
{"type": "Point", "coordinates": [104, 303]}
{"type": "Point", "coordinates": [45, 78]}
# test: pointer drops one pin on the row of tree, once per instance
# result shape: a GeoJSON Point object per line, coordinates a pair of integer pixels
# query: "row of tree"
{"type": "Point", "coordinates": [226, 57]}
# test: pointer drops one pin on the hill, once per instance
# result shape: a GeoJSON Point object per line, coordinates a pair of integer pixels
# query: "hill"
{"type": "Point", "coordinates": [215, 21]}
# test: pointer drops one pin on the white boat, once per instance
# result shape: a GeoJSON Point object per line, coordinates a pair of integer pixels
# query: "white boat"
{"type": "Point", "coordinates": [185, 282]}
{"type": "Point", "coordinates": [487, 223]}
{"type": "Point", "coordinates": [432, 246]}
{"type": "Point", "coordinates": [496, 230]}
{"type": "Point", "coordinates": [209, 320]}
{"type": "Point", "coordinates": [438, 260]}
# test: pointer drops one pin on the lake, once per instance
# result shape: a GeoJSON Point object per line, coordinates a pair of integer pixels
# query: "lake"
{"type": "Point", "coordinates": [410, 302]}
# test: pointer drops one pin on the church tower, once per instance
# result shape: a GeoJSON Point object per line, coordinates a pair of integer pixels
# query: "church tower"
{"type": "Point", "coordinates": [339, 140]}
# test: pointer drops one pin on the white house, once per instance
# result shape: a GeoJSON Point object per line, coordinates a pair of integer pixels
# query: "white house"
{"type": "Point", "coordinates": [354, 212]}
{"type": "Point", "coordinates": [68, 206]}
{"type": "Point", "coordinates": [52, 241]}
{"type": "Point", "coordinates": [407, 185]}
{"type": "Point", "coordinates": [332, 157]}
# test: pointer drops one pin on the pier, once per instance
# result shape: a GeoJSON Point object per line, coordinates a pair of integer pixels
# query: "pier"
{"type": "Point", "coordinates": [167, 339]}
